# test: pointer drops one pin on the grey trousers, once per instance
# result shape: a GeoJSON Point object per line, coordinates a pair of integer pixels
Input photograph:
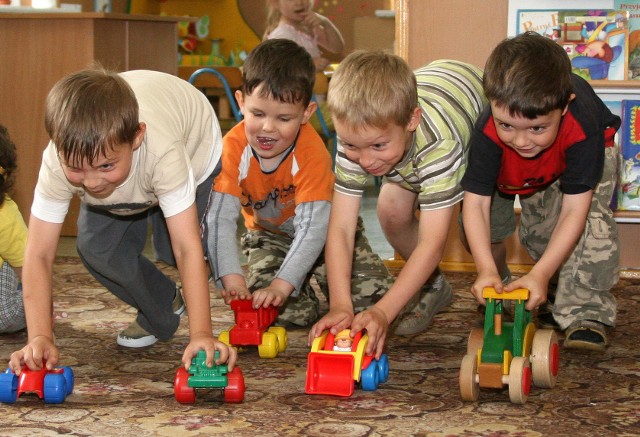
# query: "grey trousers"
{"type": "Point", "coordinates": [110, 246]}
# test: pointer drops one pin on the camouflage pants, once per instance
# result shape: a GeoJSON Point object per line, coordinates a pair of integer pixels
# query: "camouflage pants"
{"type": "Point", "coordinates": [587, 276]}
{"type": "Point", "coordinates": [266, 251]}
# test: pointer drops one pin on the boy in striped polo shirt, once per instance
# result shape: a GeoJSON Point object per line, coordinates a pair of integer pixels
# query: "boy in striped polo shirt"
{"type": "Point", "coordinates": [412, 129]}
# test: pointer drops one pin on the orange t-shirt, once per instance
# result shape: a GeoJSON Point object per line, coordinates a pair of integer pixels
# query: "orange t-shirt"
{"type": "Point", "coordinates": [269, 199]}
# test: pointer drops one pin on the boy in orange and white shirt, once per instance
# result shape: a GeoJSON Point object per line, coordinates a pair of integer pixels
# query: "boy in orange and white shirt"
{"type": "Point", "coordinates": [276, 171]}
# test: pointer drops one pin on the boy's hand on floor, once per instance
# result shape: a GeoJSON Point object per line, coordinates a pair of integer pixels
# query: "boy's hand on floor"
{"type": "Point", "coordinates": [33, 353]}
{"type": "Point", "coordinates": [209, 344]}
{"type": "Point", "coordinates": [335, 320]}
{"type": "Point", "coordinates": [375, 322]}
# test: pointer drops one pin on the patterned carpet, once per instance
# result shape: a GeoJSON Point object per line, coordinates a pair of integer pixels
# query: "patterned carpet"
{"type": "Point", "coordinates": [130, 392]}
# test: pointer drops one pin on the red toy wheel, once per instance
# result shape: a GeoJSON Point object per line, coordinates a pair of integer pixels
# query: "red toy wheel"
{"type": "Point", "coordinates": [183, 393]}
{"type": "Point", "coordinates": [234, 392]}
{"type": "Point", "coordinates": [545, 358]}
{"type": "Point", "coordinates": [519, 380]}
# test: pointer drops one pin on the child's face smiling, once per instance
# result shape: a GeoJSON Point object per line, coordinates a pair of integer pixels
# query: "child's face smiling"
{"type": "Point", "coordinates": [106, 173]}
{"type": "Point", "coordinates": [271, 126]}
{"type": "Point", "coordinates": [527, 137]}
{"type": "Point", "coordinates": [293, 11]}
{"type": "Point", "coordinates": [377, 150]}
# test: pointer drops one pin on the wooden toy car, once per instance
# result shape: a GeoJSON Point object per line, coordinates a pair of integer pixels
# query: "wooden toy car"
{"type": "Point", "coordinates": [51, 385]}
{"type": "Point", "coordinates": [201, 376]}
{"type": "Point", "coordinates": [509, 353]}
{"type": "Point", "coordinates": [335, 372]}
{"type": "Point", "coordinates": [253, 328]}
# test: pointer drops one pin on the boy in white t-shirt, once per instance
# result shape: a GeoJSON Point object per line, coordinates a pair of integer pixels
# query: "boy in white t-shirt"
{"type": "Point", "coordinates": [133, 146]}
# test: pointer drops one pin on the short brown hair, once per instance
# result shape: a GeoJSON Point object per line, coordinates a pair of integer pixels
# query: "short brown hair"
{"type": "Point", "coordinates": [285, 69]}
{"type": "Point", "coordinates": [373, 89]}
{"type": "Point", "coordinates": [90, 111]}
{"type": "Point", "coordinates": [528, 74]}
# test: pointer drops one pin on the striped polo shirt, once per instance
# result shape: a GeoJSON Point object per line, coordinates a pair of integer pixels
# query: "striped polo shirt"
{"type": "Point", "coordinates": [451, 98]}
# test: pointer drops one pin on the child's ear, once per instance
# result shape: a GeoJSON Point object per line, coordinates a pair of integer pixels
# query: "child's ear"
{"type": "Point", "coordinates": [566, 108]}
{"type": "Point", "coordinates": [309, 110]}
{"type": "Point", "coordinates": [137, 141]}
{"type": "Point", "coordinates": [414, 120]}
{"type": "Point", "coordinates": [240, 100]}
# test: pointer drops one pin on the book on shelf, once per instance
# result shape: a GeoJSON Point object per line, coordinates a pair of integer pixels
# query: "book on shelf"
{"type": "Point", "coordinates": [596, 40]}
{"type": "Point", "coordinates": [628, 197]}
{"type": "Point", "coordinates": [633, 7]}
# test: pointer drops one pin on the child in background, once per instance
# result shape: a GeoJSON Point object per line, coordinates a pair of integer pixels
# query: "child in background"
{"type": "Point", "coordinates": [548, 138]}
{"type": "Point", "coordinates": [412, 129]}
{"type": "Point", "coordinates": [296, 20]}
{"type": "Point", "coordinates": [13, 239]}
{"type": "Point", "coordinates": [132, 145]}
{"type": "Point", "coordinates": [277, 172]}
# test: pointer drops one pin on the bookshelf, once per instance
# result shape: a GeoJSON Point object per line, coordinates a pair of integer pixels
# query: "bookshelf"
{"type": "Point", "coordinates": [468, 30]}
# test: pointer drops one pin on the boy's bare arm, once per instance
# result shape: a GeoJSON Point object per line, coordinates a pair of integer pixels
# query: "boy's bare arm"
{"type": "Point", "coordinates": [432, 237]}
{"type": "Point", "coordinates": [40, 254]}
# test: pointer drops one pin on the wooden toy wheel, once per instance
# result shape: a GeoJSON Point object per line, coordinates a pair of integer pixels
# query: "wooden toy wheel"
{"type": "Point", "coordinates": [269, 346]}
{"type": "Point", "coordinates": [281, 333]}
{"type": "Point", "coordinates": [234, 391]}
{"type": "Point", "coordinates": [545, 358]}
{"type": "Point", "coordinates": [519, 380]}
{"type": "Point", "coordinates": [183, 393]}
{"type": "Point", "coordinates": [475, 340]}
{"type": "Point", "coordinates": [469, 386]}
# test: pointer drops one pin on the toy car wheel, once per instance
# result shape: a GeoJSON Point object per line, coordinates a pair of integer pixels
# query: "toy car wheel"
{"type": "Point", "coordinates": [281, 334]}
{"type": "Point", "coordinates": [8, 387]}
{"type": "Point", "coordinates": [223, 337]}
{"type": "Point", "coordinates": [545, 358]}
{"type": "Point", "coordinates": [467, 379]}
{"type": "Point", "coordinates": [54, 388]}
{"type": "Point", "coordinates": [269, 346]}
{"type": "Point", "coordinates": [475, 340]}
{"type": "Point", "coordinates": [519, 380]}
{"type": "Point", "coordinates": [383, 368]}
{"type": "Point", "coordinates": [370, 377]}
{"type": "Point", "coordinates": [181, 390]}
{"type": "Point", "coordinates": [234, 391]}
{"type": "Point", "coordinates": [69, 380]}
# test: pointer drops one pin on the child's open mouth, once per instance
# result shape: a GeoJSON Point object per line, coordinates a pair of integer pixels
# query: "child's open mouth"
{"type": "Point", "coordinates": [266, 143]}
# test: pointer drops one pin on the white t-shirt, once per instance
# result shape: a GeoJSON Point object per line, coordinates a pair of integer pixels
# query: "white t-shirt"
{"type": "Point", "coordinates": [181, 147]}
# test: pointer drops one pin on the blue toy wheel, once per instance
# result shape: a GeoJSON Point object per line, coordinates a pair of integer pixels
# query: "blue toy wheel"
{"type": "Point", "coordinates": [370, 376]}
{"type": "Point", "coordinates": [68, 379]}
{"type": "Point", "coordinates": [8, 387]}
{"type": "Point", "coordinates": [383, 368]}
{"type": "Point", "coordinates": [54, 388]}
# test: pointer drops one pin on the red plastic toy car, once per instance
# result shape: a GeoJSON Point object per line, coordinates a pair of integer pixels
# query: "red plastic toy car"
{"type": "Point", "coordinates": [334, 366]}
{"type": "Point", "coordinates": [201, 376]}
{"type": "Point", "coordinates": [51, 385]}
{"type": "Point", "coordinates": [253, 328]}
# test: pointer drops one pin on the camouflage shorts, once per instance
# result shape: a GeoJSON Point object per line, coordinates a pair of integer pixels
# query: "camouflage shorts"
{"type": "Point", "coordinates": [266, 251]}
{"type": "Point", "coordinates": [587, 276]}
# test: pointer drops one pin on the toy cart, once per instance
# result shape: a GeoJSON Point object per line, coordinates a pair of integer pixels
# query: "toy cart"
{"type": "Point", "coordinates": [51, 385]}
{"type": "Point", "coordinates": [331, 372]}
{"type": "Point", "coordinates": [253, 328]}
{"type": "Point", "coordinates": [201, 376]}
{"type": "Point", "coordinates": [509, 353]}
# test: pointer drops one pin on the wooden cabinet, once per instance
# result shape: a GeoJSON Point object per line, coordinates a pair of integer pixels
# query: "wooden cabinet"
{"type": "Point", "coordinates": [468, 30]}
{"type": "Point", "coordinates": [38, 49]}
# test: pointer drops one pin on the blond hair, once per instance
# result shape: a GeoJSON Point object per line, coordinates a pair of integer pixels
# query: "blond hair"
{"type": "Point", "coordinates": [372, 89]}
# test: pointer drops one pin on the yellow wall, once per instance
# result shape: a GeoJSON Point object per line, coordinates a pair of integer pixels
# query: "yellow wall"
{"type": "Point", "coordinates": [226, 22]}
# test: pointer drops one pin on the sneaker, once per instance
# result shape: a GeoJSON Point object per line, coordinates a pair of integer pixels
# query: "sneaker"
{"type": "Point", "coordinates": [178, 302]}
{"type": "Point", "coordinates": [433, 297]}
{"type": "Point", "coordinates": [135, 336]}
{"type": "Point", "coordinates": [586, 334]}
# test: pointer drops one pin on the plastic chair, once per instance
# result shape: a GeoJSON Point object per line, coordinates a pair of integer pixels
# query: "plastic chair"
{"type": "Point", "coordinates": [227, 89]}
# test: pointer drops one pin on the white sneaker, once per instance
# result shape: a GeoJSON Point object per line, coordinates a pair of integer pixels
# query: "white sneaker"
{"type": "Point", "coordinates": [433, 297]}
